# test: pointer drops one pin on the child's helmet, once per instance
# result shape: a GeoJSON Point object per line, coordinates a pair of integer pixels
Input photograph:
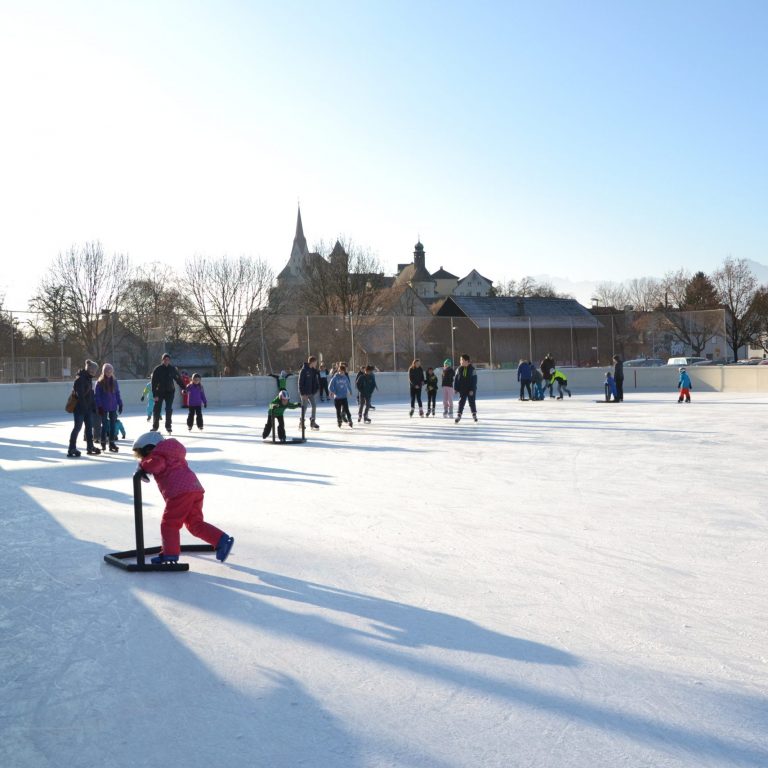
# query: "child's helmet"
{"type": "Point", "coordinates": [681, 369]}
{"type": "Point", "coordinates": [283, 394]}
{"type": "Point", "coordinates": [282, 374]}
{"type": "Point", "coordinates": [148, 438]}
{"type": "Point", "coordinates": [447, 362]}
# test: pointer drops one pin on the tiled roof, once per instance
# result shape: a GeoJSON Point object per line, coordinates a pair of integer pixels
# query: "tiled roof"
{"type": "Point", "coordinates": [515, 311]}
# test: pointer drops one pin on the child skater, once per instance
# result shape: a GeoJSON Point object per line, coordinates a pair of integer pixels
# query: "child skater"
{"type": "Point", "coordinates": [195, 399]}
{"type": "Point", "coordinates": [416, 380]}
{"type": "Point", "coordinates": [431, 382]}
{"type": "Point", "coordinates": [275, 413]}
{"type": "Point", "coordinates": [448, 374]}
{"type": "Point", "coordinates": [562, 383]}
{"type": "Point", "coordinates": [119, 429]}
{"type": "Point", "coordinates": [340, 388]}
{"type": "Point", "coordinates": [685, 386]}
{"type": "Point", "coordinates": [537, 381]}
{"type": "Point", "coordinates": [108, 405]}
{"type": "Point", "coordinates": [147, 395]}
{"type": "Point", "coordinates": [183, 495]}
{"type": "Point", "coordinates": [610, 388]}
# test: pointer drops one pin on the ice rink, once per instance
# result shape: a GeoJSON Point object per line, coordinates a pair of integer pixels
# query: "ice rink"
{"type": "Point", "coordinates": [564, 583]}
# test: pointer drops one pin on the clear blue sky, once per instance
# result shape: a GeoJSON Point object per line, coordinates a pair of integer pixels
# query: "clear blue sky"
{"type": "Point", "coordinates": [587, 140]}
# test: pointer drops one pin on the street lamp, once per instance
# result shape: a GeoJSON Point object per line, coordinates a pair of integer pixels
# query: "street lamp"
{"type": "Point", "coordinates": [108, 315]}
{"type": "Point", "coordinates": [453, 358]}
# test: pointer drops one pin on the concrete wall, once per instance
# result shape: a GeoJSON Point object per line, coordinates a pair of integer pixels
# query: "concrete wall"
{"type": "Point", "coordinates": [259, 390]}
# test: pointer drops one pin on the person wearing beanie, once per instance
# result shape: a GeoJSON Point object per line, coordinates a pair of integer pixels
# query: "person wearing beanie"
{"type": "Point", "coordinates": [447, 383]}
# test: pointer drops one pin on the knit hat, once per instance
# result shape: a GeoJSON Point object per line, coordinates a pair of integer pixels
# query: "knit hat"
{"type": "Point", "coordinates": [447, 362]}
{"type": "Point", "coordinates": [91, 365]}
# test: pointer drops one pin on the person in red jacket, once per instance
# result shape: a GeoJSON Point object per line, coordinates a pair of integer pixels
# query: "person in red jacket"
{"type": "Point", "coordinates": [183, 495]}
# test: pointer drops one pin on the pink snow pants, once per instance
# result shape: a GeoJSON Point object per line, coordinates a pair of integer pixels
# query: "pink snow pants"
{"type": "Point", "coordinates": [186, 509]}
{"type": "Point", "coordinates": [447, 399]}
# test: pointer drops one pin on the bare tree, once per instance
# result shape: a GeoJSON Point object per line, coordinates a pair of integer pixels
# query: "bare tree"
{"type": "Point", "coordinates": [225, 296]}
{"type": "Point", "coordinates": [81, 284]}
{"type": "Point", "coordinates": [736, 288]}
{"type": "Point", "coordinates": [343, 281]}
{"type": "Point", "coordinates": [611, 295]}
{"type": "Point", "coordinates": [644, 293]}
{"type": "Point", "coordinates": [673, 288]}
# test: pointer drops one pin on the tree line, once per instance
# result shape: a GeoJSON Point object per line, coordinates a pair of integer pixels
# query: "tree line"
{"type": "Point", "coordinates": [226, 303]}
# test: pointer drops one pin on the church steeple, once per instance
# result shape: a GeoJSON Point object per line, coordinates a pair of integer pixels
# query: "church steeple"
{"type": "Point", "coordinates": [299, 239]}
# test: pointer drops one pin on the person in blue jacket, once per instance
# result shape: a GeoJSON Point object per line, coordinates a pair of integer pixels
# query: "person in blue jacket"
{"type": "Point", "coordinates": [610, 388]}
{"type": "Point", "coordinates": [340, 388]}
{"type": "Point", "coordinates": [524, 377]}
{"type": "Point", "coordinates": [465, 383]}
{"type": "Point", "coordinates": [685, 387]}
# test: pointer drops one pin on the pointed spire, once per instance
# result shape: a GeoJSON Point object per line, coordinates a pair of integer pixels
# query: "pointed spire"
{"type": "Point", "coordinates": [299, 238]}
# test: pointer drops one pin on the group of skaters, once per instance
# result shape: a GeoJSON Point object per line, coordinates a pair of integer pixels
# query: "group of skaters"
{"type": "Point", "coordinates": [538, 381]}
{"type": "Point", "coordinates": [461, 381]}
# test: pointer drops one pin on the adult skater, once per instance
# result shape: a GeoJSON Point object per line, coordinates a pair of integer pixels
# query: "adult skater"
{"type": "Point", "coordinates": [324, 395]}
{"type": "Point", "coordinates": [524, 377]}
{"type": "Point", "coordinates": [618, 377]}
{"type": "Point", "coordinates": [163, 391]}
{"type": "Point", "coordinates": [366, 385]}
{"type": "Point", "coordinates": [183, 495]}
{"type": "Point", "coordinates": [416, 382]}
{"type": "Point", "coordinates": [84, 410]}
{"type": "Point", "coordinates": [309, 386]}
{"type": "Point", "coordinates": [465, 383]}
{"type": "Point", "coordinates": [547, 368]}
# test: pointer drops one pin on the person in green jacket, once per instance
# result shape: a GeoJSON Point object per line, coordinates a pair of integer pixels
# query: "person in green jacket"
{"type": "Point", "coordinates": [275, 413]}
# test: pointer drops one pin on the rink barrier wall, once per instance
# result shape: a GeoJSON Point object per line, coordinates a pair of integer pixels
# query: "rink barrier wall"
{"type": "Point", "coordinates": [259, 390]}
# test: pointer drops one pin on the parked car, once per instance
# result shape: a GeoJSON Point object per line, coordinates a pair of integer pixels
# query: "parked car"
{"type": "Point", "coordinates": [686, 360]}
{"type": "Point", "coordinates": [643, 362]}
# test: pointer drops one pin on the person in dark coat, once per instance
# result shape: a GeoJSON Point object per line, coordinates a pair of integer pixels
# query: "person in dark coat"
{"type": "Point", "coordinates": [547, 369]}
{"type": "Point", "coordinates": [164, 377]}
{"type": "Point", "coordinates": [309, 386]}
{"type": "Point", "coordinates": [366, 386]}
{"type": "Point", "coordinates": [432, 384]}
{"type": "Point", "coordinates": [85, 409]}
{"type": "Point", "coordinates": [465, 383]}
{"type": "Point", "coordinates": [524, 377]}
{"type": "Point", "coordinates": [618, 378]}
{"type": "Point", "coordinates": [416, 381]}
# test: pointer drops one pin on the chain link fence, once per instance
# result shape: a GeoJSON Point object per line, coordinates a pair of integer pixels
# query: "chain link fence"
{"type": "Point", "coordinates": [390, 343]}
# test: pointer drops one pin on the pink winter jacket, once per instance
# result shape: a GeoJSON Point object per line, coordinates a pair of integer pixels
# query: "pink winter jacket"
{"type": "Point", "coordinates": [170, 468]}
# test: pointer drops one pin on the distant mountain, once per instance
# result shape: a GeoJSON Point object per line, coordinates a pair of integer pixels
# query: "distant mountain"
{"type": "Point", "coordinates": [584, 290]}
{"type": "Point", "coordinates": [760, 271]}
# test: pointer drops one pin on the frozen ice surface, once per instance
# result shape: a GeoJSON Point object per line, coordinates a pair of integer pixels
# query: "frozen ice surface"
{"type": "Point", "coordinates": [565, 583]}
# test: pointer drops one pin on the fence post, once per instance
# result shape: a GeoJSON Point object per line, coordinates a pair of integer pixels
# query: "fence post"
{"type": "Point", "coordinates": [394, 347]}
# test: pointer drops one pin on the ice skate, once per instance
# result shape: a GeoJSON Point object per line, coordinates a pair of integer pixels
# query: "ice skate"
{"type": "Point", "coordinates": [313, 424]}
{"type": "Point", "coordinates": [367, 421]}
{"type": "Point", "coordinates": [474, 416]}
{"type": "Point", "coordinates": [224, 547]}
{"type": "Point", "coordinates": [411, 413]}
{"type": "Point", "coordinates": [93, 451]}
{"type": "Point", "coordinates": [457, 419]}
{"type": "Point", "coordinates": [421, 412]}
{"type": "Point", "coordinates": [164, 559]}
{"type": "Point", "coordinates": [113, 448]}
{"type": "Point", "coordinates": [73, 453]}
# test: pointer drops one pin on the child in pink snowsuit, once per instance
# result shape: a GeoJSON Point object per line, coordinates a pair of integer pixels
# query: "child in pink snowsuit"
{"type": "Point", "coordinates": [183, 494]}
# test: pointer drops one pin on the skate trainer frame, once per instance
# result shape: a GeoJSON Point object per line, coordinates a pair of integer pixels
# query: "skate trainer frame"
{"type": "Point", "coordinates": [123, 559]}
